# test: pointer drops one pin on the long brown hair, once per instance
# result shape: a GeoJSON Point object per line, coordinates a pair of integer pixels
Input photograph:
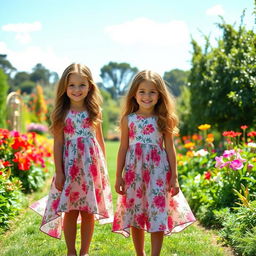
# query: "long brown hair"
{"type": "Point", "coordinates": [62, 102]}
{"type": "Point", "coordinates": [164, 109]}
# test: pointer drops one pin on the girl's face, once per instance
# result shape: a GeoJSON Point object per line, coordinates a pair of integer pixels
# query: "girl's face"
{"type": "Point", "coordinates": [77, 88]}
{"type": "Point", "coordinates": [147, 95]}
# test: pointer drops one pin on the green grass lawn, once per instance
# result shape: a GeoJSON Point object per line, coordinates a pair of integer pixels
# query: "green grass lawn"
{"type": "Point", "coordinates": [25, 239]}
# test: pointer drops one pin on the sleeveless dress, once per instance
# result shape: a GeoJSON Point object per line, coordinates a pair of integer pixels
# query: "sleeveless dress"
{"type": "Point", "coordinates": [147, 204]}
{"type": "Point", "coordinates": [86, 187]}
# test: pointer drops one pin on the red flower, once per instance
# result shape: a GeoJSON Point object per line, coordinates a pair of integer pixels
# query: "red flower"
{"type": "Point", "coordinates": [94, 171]}
{"type": "Point", "coordinates": [159, 183]}
{"type": "Point", "coordinates": [170, 223]}
{"type": "Point", "coordinates": [146, 176]}
{"type": "Point", "coordinates": [69, 127]}
{"type": "Point", "coordinates": [155, 156]}
{"type": "Point", "coordinates": [129, 177]}
{"type": "Point", "coordinates": [159, 201]}
{"type": "Point", "coordinates": [74, 196]}
{"type": "Point", "coordinates": [243, 127]}
{"type": "Point", "coordinates": [74, 170]}
{"type": "Point", "coordinates": [55, 204]}
{"type": "Point", "coordinates": [138, 150]}
{"type": "Point", "coordinates": [98, 195]}
{"type": "Point", "coordinates": [80, 144]}
{"type": "Point", "coordinates": [251, 134]}
{"type": "Point", "coordinates": [207, 175]}
{"type": "Point", "coordinates": [132, 131]}
{"type": "Point", "coordinates": [23, 161]}
{"type": "Point", "coordinates": [139, 192]}
{"type": "Point", "coordinates": [148, 129]}
{"type": "Point", "coordinates": [86, 123]}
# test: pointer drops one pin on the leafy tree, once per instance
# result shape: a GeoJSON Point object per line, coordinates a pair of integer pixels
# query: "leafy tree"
{"type": "Point", "coordinates": [3, 95]}
{"type": "Point", "coordinates": [175, 79]}
{"type": "Point", "coordinates": [6, 65]}
{"type": "Point", "coordinates": [116, 77]}
{"type": "Point", "coordinates": [223, 80]}
{"type": "Point", "coordinates": [20, 77]}
{"type": "Point", "coordinates": [40, 74]}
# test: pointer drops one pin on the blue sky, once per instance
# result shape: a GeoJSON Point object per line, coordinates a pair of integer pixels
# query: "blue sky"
{"type": "Point", "coordinates": [148, 34]}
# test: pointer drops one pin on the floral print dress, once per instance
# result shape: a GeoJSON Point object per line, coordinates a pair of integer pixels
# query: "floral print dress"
{"type": "Point", "coordinates": [147, 204]}
{"type": "Point", "coordinates": [86, 186]}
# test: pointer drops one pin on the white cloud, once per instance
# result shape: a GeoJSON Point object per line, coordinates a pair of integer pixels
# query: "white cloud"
{"type": "Point", "coordinates": [23, 30]}
{"type": "Point", "coordinates": [143, 31]}
{"type": "Point", "coordinates": [28, 57]}
{"type": "Point", "coordinates": [215, 10]}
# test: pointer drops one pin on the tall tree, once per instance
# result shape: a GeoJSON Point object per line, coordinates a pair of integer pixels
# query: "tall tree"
{"type": "Point", "coordinates": [20, 77]}
{"type": "Point", "coordinates": [3, 95]}
{"type": "Point", "coordinates": [222, 79]}
{"type": "Point", "coordinates": [116, 77]}
{"type": "Point", "coordinates": [6, 65]}
{"type": "Point", "coordinates": [175, 79]}
{"type": "Point", "coordinates": [40, 75]}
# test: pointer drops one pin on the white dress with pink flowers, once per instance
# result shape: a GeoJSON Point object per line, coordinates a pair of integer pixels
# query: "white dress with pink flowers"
{"type": "Point", "coordinates": [86, 187]}
{"type": "Point", "coordinates": [147, 204]}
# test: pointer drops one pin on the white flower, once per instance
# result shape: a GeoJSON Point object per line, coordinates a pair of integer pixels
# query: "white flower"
{"type": "Point", "coordinates": [201, 152]}
{"type": "Point", "coordinates": [251, 145]}
{"type": "Point", "coordinates": [197, 178]}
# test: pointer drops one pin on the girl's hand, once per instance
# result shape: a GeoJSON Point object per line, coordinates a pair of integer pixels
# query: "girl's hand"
{"type": "Point", "coordinates": [119, 186]}
{"type": "Point", "coordinates": [174, 187]}
{"type": "Point", "coordinates": [59, 181]}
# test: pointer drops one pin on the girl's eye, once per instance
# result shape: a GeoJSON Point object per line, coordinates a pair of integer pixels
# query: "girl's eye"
{"type": "Point", "coordinates": [70, 85]}
{"type": "Point", "coordinates": [82, 85]}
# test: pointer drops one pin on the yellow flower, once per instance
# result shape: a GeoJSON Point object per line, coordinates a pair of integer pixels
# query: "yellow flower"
{"type": "Point", "coordinates": [190, 153]}
{"type": "Point", "coordinates": [210, 139]}
{"type": "Point", "coordinates": [189, 145]}
{"type": "Point", "coordinates": [204, 126]}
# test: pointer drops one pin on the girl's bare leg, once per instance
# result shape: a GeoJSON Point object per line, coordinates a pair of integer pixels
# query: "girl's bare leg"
{"type": "Point", "coordinates": [138, 241]}
{"type": "Point", "coordinates": [156, 243]}
{"type": "Point", "coordinates": [69, 226]}
{"type": "Point", "coordinates": [87, 228]}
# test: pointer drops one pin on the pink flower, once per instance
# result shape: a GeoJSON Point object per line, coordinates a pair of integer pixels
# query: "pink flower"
{"type": "Point", "coordinates": [139, 192]}
{"type": "Point", "coordinates": [93, 171]}
{"type": "Point", "coordinates": [219, 161]}
{"type": "Point", "coordinates": [159, 183]}
{"type": "Point", "coordinates": [229, 153]}
{"type": "Point", "coordinates": [173, 204]}
{"type": "Point", "coordinates": [236, 164]}
{"type": "Point", "coordinates": [91, 151]}
{"type": "Point", "coordinates": [67, 147]}
{"type": "Point", "coordinates": [249, 166]}
{"type": "Point", "coordinates": [74, 196]}
{"type": "Point", "coordinates": [130, 203]}
{"type": "Point", "coordinates": [69, 127]}
{"type": "Point", "coordinates": [55, 204]}
{"type": "Point", "coordinates": [146, 176]}
{"type": "Point", "coordinates": [170, 223]}
{"type": "Point", "coordinates": [98, 195]}
{"type": "Point", "coordinates": [142, 220]}
{"type": "Point", "coordinates": [159, 201]}
{"type": "Point", "coordinates": [84, 187]}
{"type": "Point", "coordinates": [80, 144]}
{"type": "Point", "coordinates": [155, 156]}
{"type": "Point", "coordinates": [132, 131]}
{"type": "Point", "coordinates": [148, 129]}
{"type": "Point", "coordinates": [86, 123]}
{"type": "Point", "coordinates": [138, 150]}
{"type": "Point", "coordinates": [53, 232]}
{"type": "Point", "coordinates": [116, 224]}
{"type": "Point", "coordinates": [74, 170]}
{"type": "Point", "coordinates": [67, 191]}
{"type": "Point", "coordinates": [162, 227]}
{"type": "Point", "coordinates": [129, 177]}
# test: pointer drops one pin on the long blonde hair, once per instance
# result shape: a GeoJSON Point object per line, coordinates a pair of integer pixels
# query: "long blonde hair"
{"type": "Point", "coordinates": [164, 109]}
{"type": "Point", "coordinates": [62, 102]}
